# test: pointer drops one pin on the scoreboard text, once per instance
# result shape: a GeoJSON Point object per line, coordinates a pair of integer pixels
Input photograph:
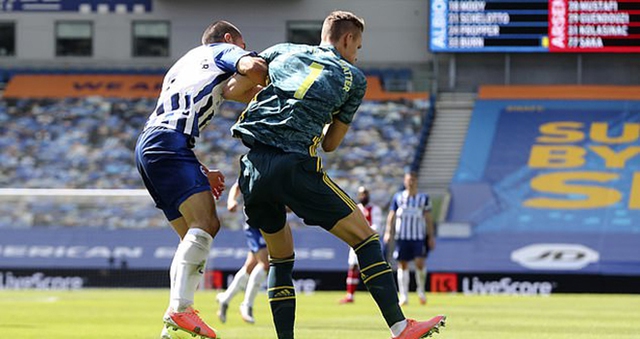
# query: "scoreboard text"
{"type": "Point", "coordinates": [535, 26]}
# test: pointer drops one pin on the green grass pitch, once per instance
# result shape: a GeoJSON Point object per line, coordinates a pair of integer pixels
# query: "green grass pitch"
{"type": "Point", "coordinates": [136, 313]}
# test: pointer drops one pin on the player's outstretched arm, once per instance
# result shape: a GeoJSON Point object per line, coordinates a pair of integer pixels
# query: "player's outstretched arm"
{"type": "Point", "coordinates": [254, 68]}
{"type": "Point", "coordinates": [240, 88]}
{"type": "Point", "coordinates": [251, 77]}
{"type": "Point", "coordinates": [334, 135]}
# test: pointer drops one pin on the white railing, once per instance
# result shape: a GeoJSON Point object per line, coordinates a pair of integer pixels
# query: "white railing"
{"type": "Point", "coordinates": [107, 208]}
{"type": "Point", "coordinates": [71, 192]}
{"type": "Point", "coordinates": [104, 208]}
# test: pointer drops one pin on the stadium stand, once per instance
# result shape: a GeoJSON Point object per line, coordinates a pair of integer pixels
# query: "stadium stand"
{"type": "Point", "coordinates": [44, 144]}
{"type": "Point", "coordinates": [75, 141]}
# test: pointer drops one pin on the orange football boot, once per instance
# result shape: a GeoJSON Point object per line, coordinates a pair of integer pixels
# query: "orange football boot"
{"type": "Point", "coordinates": [422, 329]}
{"type": "Point", "coordinates": [189, 321]}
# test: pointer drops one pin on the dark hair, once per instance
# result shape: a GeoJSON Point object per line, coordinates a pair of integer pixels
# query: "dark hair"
{"type": "Point", "coordinates": [411, 170]}
{"type": "Point", "coordinates": [216, 31]}
{"type": "Point", "coordinates": [340, 22]}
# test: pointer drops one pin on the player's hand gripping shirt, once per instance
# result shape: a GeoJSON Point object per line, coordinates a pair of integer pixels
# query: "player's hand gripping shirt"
{"type": "Point", "coordinates": [192, 88]}
{"type": "Point", "coordinates": [309, 86]}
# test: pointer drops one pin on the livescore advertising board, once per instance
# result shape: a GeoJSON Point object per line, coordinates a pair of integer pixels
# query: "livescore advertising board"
{"type": "Point", "coordinates": [564, 26]}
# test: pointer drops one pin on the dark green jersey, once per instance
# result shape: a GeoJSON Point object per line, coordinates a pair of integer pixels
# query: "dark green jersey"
{"type": "Point", "coordinates": [309, 87]}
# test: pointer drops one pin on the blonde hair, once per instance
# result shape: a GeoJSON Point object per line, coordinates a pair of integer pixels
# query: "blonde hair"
{"type": "Point", "coordinates": [339, 23]}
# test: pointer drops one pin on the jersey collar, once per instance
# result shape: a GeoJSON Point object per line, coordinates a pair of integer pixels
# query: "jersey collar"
{"type": "Point", "coordinates": [333, 49]}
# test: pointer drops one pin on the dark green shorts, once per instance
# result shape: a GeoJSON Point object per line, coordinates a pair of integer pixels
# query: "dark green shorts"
{"type": "Point", "coordinates": [271, 179]}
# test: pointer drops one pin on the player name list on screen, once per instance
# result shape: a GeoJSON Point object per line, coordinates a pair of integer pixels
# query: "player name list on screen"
{"type": "Point", "coordinates": [535, 26]}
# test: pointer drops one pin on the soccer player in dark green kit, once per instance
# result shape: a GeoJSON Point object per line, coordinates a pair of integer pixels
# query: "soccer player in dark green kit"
{"type": "Point", "coordinates": [312, 96]}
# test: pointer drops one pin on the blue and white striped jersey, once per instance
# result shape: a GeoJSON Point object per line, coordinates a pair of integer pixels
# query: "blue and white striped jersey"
{"type": "Point", "coordinates": [410, 222]}
{"type": "Point", "coordinates": [192, 88]}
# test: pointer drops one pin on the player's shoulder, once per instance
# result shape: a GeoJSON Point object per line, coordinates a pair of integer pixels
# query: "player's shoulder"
{"type": "Point", "coordinates": [291, 45]}
{"type": "Point", "coordinates": [359, 76]}
{"type": "Point", "coordinates": [215, 49]}
{"type": "Point", "coordinates": [357, 73]}
{"type": "Point", "coordinates": [287, 47]}
{"type": "Point", "coordinates": [219, 46]}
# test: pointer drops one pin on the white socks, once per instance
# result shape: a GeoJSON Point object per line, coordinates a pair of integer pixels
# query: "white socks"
{"type": "Point", "coordinates": [397, 328]}
{"type": "Point", "coordinates": [421, 280]}
{"type": "Point", "coordinates": [253, 286]}
{"type": "Point", "coordinates": [187, 268]}
{"type": "Point", "coordinates": [238, 284]}
{"type": "Point", "coordinates": [403, 284]}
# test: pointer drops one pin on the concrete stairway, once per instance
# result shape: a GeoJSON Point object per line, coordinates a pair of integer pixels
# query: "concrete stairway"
{"type": "Point", "coordinates": [452, 115]}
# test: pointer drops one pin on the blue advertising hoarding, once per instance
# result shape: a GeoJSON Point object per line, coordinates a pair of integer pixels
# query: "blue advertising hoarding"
{"type": "Point", "coordinates": [319, 251]}
{"type": "Point", "coordinates": [87, 248]}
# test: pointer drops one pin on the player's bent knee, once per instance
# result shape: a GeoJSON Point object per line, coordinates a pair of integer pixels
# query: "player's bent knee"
{"type": "Point", "coordinates": [213, 228]}
{"type": "Point", "coordinates": [353, 229]}
{"type": "Point", "coordinates": [210, 226]}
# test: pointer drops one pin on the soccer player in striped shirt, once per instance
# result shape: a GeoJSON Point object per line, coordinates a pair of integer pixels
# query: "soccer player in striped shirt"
{"type": "Point", "coordinates": [192, 91]}
{"type": "Point", "coordinates": [312, 97]}
{"type": "Point", "coordinates": [410, 224]}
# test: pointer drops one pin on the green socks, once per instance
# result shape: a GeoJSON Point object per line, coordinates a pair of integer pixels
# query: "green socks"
{"type": "Point", "coordinates": [375, 273]}
{"type": "Point", "coordinates": [378, 277]}
{"type": "Point", "coordinates": [282, 296]}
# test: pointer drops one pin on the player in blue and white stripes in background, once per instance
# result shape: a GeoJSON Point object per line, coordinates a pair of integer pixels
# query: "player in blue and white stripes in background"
{"type": "Point", "coordinates": [410, 224]}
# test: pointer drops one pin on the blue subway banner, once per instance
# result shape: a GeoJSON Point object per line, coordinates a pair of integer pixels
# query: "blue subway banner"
{"type": "Point", "coordinates": [550, 166]}
{"type": "Point", "coordinates": [559, 180]}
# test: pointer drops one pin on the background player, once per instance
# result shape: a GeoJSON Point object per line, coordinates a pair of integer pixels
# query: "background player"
{"type": "Point", "coordinates": [192, 91]}
{"type": "Point", "coordinates": [373, 214]}
{"type": "Point", "coordinates": [252, 273]}
{"type": "Point", "coordinates": [410, 224]}
{"type": "Point", "coordinates": [311, 87]}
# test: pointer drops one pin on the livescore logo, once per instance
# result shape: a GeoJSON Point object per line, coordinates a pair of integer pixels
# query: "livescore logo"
{"type": "Point", "coordinates": [444, 282]}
